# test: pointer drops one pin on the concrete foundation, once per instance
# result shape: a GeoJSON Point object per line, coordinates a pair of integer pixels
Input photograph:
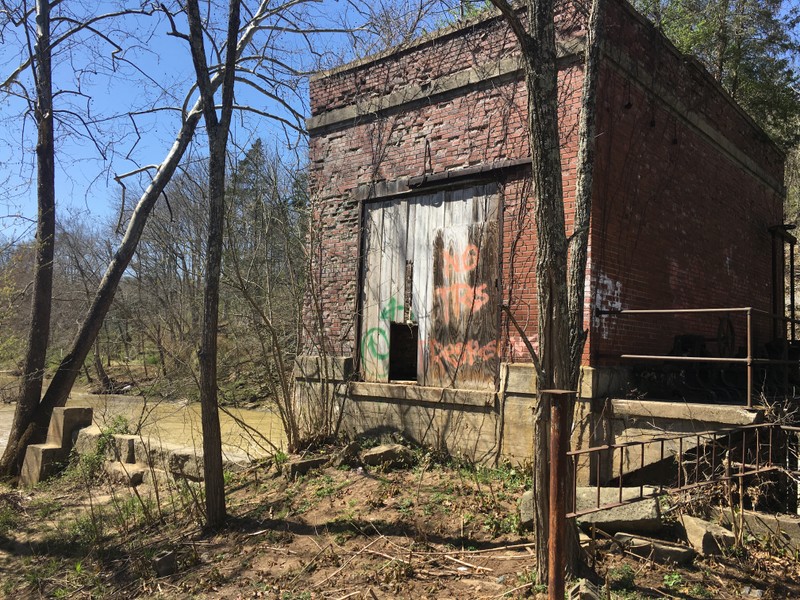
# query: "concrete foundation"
{"type": "Point", "coordinates": [488, 426]}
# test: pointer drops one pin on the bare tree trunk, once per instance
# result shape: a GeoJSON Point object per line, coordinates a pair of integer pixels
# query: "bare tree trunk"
{"type": "Point", "coordinates": [560, 278]}
{"type": "Point", "coordinates": [579, 242]}
{"type": "Point", "coordinates": [551, 249]}
{"type": "Point", "coordinates": [32, 425]}
{"type": "Point", "coordinates": [30, 393]}
{"type": "Point", "coordinates": [101, 372]}
{"type": "Point", "coordinates": [217, 129]}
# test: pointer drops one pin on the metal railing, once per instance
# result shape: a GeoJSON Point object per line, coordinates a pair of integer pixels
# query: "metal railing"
{"type": "Point", "coordinates": [700, 459]}
{"type": "Point", "coordinates": [750, 361]}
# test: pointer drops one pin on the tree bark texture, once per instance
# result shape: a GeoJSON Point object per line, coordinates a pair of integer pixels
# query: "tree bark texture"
{"type": "Point", "coordinates": [560, 263]}
{"type": "Point", "coordinates": [579, 243]}
{"type": "Point", "coordinates": [23, 427]}
{"type": "Point", "coordinates": [551, 249]}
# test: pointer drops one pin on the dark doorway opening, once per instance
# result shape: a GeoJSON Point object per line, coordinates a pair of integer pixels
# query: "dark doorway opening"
{"type": "Point", "coordinates": [403, 351]}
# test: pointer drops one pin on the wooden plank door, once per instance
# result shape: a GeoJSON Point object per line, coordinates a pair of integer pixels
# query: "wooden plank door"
{"type": "Point", "coordinates": [462, 349]}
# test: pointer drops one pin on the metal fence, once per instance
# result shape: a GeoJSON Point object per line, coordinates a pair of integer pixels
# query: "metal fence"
{"type": "Point", "coordinates": [688, 462]}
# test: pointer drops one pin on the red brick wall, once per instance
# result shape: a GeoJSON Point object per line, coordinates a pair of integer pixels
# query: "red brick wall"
{"type": "Point", "coordinates": [458, 130]}
{"type": "Point", "coordinates": [448, 132]}
{"type": "Point", "coordinates": [677, 223]}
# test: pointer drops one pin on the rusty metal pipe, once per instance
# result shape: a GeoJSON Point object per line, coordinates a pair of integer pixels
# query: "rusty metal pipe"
{"type": "Point", "coordinates": [669, 311]}
{"type": "Point", "coordinates": [749, 359]}
{"type": "Point", "coordinates": [709, 359]}
{"type": "Point", "coordinates": [559, 444]}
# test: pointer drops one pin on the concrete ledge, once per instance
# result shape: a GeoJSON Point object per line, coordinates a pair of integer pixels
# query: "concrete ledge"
{"type": "Point", "coordinates": [684, 411]}
{"type": "Point", "coordinates": [594, 383]}
{"type": "Point", "coordinates": [601, 382]}
{"type": "Point", "coordinates": [174, 459]}
{"type": "Point", "coordinates": [360, 390]}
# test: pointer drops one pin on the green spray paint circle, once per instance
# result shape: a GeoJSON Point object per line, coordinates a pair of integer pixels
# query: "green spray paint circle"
{"type": "Point", "coordinates": [371, 342]}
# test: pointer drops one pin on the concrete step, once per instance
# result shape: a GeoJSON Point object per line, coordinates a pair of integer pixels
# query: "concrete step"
{"type": "Point", "coordinates": [41, 461]}
{"type": "Point", "coordinates": [64, 422]}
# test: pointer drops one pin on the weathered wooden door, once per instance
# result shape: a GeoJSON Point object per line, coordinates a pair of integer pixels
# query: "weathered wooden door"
{"type": "Point", "coordinates": [430, 290]}
{"type": "Point", "coordinates": [463, 332]}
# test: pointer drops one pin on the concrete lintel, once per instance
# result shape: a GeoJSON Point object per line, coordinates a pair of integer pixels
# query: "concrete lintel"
{"type": "Point", "coordinates": [370, 107]}
{"type": "Point", "coordinates": [382, 189]}
{"type": "Point", "coordinates": [414, 92]}
{"type": "Point", "coordinates": [684, 411]}
{"type": "Point", "coordinates": [417, 393]}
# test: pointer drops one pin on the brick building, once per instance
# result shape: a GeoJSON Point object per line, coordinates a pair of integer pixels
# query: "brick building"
{"type": "Point", "coordinates": [424, 229]}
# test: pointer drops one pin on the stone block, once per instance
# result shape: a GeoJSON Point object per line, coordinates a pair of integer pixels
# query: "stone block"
{"type": "Point", "coordinates": [186, 463]}
{"type": "Point", "coordinates": [707, 538]}
{"type": "Point", "coordinates": [782, 531]}
{"type": "Point", "coordinates": [165, 563]}
{"type": "Point", "coordinates": [156, 477]}
{"type": "Point", "coordinates": [40, 463]}
{"type": "Point", "coordinates": [301, 466]}
{"type": "Point", "coordinates": [123, 447]}
{"type": "Point", "coordinates": [387, 456]}
{"type": "Point", "coordinates": [125, 474]}
{"type": "Point", "coordinates": [521, 379]}
{"type": "Point", "coordinates": [155, 452]}
{"type": "Point", "coordinates": [347, 456]}
{"type": "Point", "coordinates": [639, 516]}
{"type": "Point", "coordinates": [526, 511]}
{"type": "Point", "coordinates": [656, 550]}
{"type": "Point", "coordinates": [87, 439]}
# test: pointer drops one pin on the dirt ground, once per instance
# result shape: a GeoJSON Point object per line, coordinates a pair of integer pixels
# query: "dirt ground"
{"type": "Point", "coordinates": [430, 531]}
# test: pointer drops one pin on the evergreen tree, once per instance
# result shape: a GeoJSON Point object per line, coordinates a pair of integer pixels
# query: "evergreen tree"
{"type": "Point", "coordinates": [750, 46]}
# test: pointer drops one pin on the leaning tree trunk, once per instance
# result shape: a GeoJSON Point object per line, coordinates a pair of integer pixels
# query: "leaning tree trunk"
{"type": "Point", "coordinates": [69, 368]}
{"type": "Point", "coordinates": [39, 333]}
{"type": "Point", "coordinates": [36, 421]}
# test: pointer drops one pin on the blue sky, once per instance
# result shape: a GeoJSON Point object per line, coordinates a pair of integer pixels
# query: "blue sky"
{"type": "Point", "coordinates": [89, 82]}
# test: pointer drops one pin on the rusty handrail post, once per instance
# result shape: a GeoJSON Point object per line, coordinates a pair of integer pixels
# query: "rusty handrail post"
{"type": "Point", "coordinates": [559, 446]}
{"type": "Point", "coordinates": [749, 358]}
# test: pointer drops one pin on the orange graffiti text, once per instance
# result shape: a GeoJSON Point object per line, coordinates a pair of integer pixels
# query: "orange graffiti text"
{"type": "Point", "coordinates": [461, 296]}
{"type": "Point", "coordinates": [465, 354]}
{"type": "Point", "coordinates": [461, 263]}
